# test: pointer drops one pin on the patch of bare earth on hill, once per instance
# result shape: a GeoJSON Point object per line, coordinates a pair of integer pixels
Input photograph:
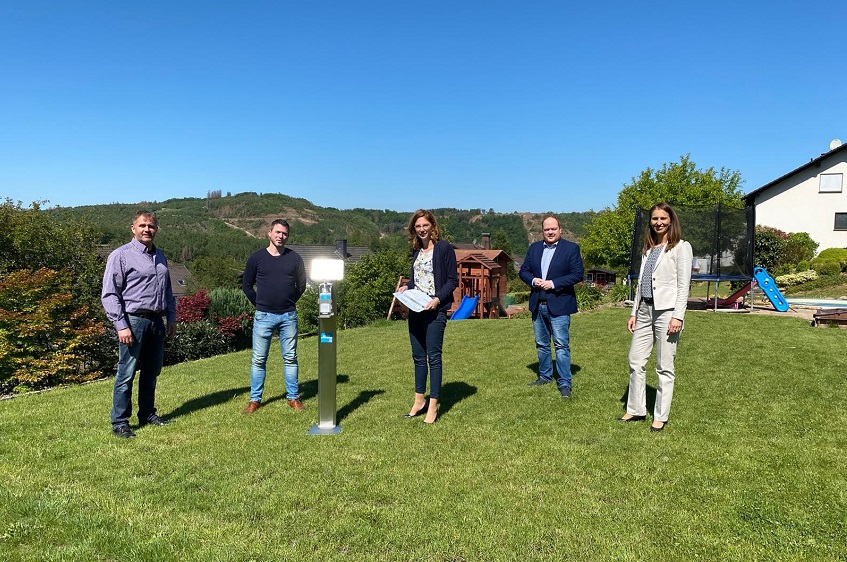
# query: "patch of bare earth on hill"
{"type": "Point", "coordinates": [258, 226]}
{"type": "Point", "coordinates": [532, 225]}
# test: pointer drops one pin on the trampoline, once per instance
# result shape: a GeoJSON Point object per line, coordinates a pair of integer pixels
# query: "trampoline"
{"type": "Point", "coordinates": [721, 239]}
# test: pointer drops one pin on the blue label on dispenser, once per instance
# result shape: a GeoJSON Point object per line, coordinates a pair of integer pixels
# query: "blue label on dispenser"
{"type": "Point", "coordinates": [326, 337]}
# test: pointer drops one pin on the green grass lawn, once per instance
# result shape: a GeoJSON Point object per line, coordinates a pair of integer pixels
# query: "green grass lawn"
{"type": "Point", "coordinates": [750, 467]}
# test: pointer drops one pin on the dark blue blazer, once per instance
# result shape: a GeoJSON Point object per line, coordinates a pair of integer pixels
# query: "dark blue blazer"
{"type": "Point", "coordinates": [566, 270]}
{"type": "Point", "coordinates": [444, 272]}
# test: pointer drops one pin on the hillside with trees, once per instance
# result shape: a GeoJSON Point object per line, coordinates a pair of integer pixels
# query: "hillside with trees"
{"type": "Point", "coordinates": [220, 231]}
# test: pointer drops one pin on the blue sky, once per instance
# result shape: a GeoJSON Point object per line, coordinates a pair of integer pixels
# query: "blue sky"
{"type": "Point", "coordinates": [515, 106]}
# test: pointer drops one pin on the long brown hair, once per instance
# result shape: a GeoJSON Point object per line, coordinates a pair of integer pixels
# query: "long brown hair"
{"type": "Point", "coordinates": [434, 234]}
{"type": "Point", "coordinates": [674, 232]}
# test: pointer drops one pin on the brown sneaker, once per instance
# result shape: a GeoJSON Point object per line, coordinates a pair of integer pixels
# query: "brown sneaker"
{"type": "Point", "coordinates": [296, 404]}
{"type": "Point", "coordinates": [252, 406]}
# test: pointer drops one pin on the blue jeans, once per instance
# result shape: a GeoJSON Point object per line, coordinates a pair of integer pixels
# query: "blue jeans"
{"type": "Point", "coordinates": [544, 324]}
{"type": "Point", "coordinates": [264, 326]}
{"type": "Point", "coordinates": [426, 333]}
{"type": "Point", "coordinates": [146, 352]}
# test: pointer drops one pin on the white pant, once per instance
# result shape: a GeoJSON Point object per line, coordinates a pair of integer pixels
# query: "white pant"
{"type": "Point", "coordinates": [651, 325]}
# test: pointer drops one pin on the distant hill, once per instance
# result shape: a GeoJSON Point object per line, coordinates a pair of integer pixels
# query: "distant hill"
{"type": "Point", "coordinates": [233, 226]}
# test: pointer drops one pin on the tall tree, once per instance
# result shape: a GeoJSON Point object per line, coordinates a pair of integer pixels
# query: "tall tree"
{"type": "Point", "coordinates": [678, 184]}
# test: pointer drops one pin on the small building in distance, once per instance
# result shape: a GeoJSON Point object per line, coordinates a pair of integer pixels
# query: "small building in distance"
{"type": "Point", "coordinates": [600, 277]}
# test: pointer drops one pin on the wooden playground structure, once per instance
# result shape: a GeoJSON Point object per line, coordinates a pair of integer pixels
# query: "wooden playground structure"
{"type": "Point", "coordinates": [481, 273]}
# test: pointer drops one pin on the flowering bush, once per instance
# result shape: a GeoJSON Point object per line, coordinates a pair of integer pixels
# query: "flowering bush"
{"type": "Point", "coordinates": [796, 278]}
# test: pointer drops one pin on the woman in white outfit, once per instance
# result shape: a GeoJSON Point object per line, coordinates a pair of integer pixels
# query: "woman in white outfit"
{"type": "Point", "coordinates": [657, 314]}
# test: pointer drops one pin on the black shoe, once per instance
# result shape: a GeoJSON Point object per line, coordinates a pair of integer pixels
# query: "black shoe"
{"type": "Point", "coordinates": [416, 414]}
{"type": "Point", "coordinates": [153, 419]}
{"type": "Point", "coordinates": [539, 381]}
{"type": "Point", "coordinates": [565, 391]}
{"type": "Point", "coordinates": [633, 419]}
{"type": "Point", "coordinates": [655, 429]}
{"type": "Point", "coordinates": [123, 431]}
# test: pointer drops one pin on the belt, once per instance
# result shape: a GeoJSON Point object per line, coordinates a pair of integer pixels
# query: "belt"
{"type": "Point", "coordinates": [148, 315]}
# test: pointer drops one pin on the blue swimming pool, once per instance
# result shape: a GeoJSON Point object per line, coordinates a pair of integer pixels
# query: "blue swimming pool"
{"type": "Point", "coordinates": [820, 303]}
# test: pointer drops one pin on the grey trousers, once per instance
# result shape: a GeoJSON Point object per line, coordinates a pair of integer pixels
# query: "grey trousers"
{"type": "Point", "coordinates": [651, 326]}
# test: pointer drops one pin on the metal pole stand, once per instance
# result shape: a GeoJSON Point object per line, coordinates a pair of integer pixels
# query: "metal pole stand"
{"type": "Point", "coordinates": [327, 376]}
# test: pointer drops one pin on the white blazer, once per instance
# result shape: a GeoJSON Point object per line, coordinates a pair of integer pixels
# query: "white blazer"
{"type": "Point", "coordinates": [671, 280]}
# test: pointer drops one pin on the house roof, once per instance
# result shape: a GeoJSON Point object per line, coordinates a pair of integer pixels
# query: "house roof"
{"type": "Point", "coordinates": [750, 198]}
{"type": "Point", "coordinates": [179, 278]}
{"type": "Point", "coordinates": [311, 251]}
{"type": "Point", "coordinates": [599, 270]}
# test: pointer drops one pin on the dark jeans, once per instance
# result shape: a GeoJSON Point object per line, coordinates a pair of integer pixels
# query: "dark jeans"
{"type": "Point", "coordinates": [148, 351]}
{"type": "Point", "coordinates": [426, 332]}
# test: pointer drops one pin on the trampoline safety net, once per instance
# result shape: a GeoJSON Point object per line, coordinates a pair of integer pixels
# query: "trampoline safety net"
{"type": "Point", "coordinates": [722, 241]}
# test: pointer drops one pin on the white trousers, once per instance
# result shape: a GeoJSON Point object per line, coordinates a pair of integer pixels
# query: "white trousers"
{"type": "Point", "coordinates": [651, 326]}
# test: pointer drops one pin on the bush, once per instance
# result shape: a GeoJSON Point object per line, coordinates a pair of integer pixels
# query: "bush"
{"type": "Point", "coordinates": [822, 282]}
{"type": "Point", "coordinates": [796, 278]}
{"type": "Point", "coordinates": [838, 255]}
{"type": "Point", "coordinates": [516, 285]}
{"type": "Point", "coordinates": [227, 302]}
{"type": "Point", "coordinates": [770, 243]}
{"type": "Point", "coordinates": [799, 247]}
{"type": "Point", "coordinates": [834, 254]}
{"type": "Point", "coordinates": [825, 267]}
{"type": "Point", "coordinates": [193, 308]}
{"type": "Point", "coordinates": [521, 296]}
{"type": "Point", "coordinates": [802, 265]}
{"type": "Point", "coordinates": [196, 340]}
{"type": "Point", "coordinates": [46, 339]}
{"type": "Point", "coordinates": [365, 294]}
{"type": "Point", "coordinates": [618, 293]}
{"type": "Point", "coordinates": [307, 312]}
{"type": "Point", "coordinates": [587, 297]}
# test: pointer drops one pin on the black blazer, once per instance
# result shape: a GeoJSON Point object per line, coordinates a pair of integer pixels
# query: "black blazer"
{"type": "Point", "coordinates": [566, 270]}
{"type": "Point", "coordinates": [443, 270]}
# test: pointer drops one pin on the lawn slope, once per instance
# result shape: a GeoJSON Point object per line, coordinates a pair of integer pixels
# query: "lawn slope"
{"type": "Point", "coordinates": [750, 467]}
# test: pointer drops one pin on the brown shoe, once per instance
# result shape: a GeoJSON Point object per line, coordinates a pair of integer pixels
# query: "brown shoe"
{"type": "Point", "coordinates": [252, 406]}
{"type": "Point", "coordinates": [296, 404]}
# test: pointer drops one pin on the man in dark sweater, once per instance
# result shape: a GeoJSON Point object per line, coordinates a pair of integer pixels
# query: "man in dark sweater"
{"type": "Point", "coordinates": [274, 280]}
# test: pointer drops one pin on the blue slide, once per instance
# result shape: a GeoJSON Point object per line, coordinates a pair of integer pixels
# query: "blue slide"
{"type": "Point", "coordinates": [768, 285]}
{"type": "Point", "coordinates": [466, 308]}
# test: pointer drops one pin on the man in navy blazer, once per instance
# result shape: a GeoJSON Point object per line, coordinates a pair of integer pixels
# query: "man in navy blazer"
{"type": "Point", "coordinates": [551, 269]}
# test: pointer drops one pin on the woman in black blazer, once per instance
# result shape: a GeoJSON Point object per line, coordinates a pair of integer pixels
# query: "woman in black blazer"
{"type": "Point", "coordinates": [434, 273]}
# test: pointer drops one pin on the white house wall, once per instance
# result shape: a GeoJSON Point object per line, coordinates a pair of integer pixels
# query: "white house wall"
{"type": "Point", "coordinates": [795, 204]}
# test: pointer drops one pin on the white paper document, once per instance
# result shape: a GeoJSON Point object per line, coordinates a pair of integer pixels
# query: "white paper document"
{"type": "Point", "coordinates": [413, 298]}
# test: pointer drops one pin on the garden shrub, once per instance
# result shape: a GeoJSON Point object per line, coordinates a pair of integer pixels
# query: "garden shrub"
{"type": "Point", "coordinates": [770, 243]}
{"type": "Point", "coordinates": [307, 312]}
{"type": "Point", "coordinates": [618, 293]}
{"type": "Point", "coordinates": [521, 296]}
{"type": "Point", "coordinates": [196, 340]}
{"type": "Point", "coordinates": [227, 302]}
{"type": "Point", "coordinates": [798, 247]}
{"type": "Point", "coordinates": [802, 265]}
{"type": "Point", "coordinates": [822, 282]}
{"type": "Point", "coordinates": [826, 267]}
{"type": "Point", "coordinates": [796, 278]}
{"type": "Point", "coordinates": [232, 312]}
{"type": "Point", "coordinates": [45, 338]}
{"type": "Point", "coordinates": [834, 254]}
{"type": "Point", "coordinates": [587, 297]}
{"type": "Point", "coordinates": [838, 255]}
{"type": "Point", "coordinates": [193, 308]}
{"type": "Point", "coordinates": [366, 293]}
